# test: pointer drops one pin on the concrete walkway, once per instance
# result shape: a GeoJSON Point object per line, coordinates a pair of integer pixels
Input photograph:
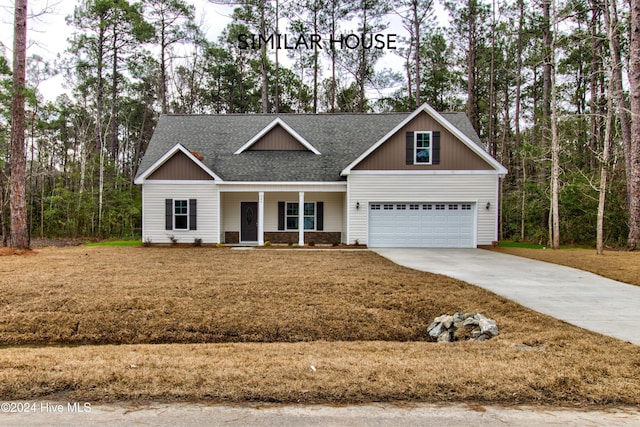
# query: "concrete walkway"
{"type": "Point", "coordinates": [575, 296]}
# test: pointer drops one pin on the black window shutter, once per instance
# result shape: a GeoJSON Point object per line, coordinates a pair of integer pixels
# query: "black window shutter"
{"type": "Point", "coordinates": [280, 215]}
{"type": "Point", "coordinates": [410, 147]}
{"type": "Point", "coordinates": [168, 214]}
{"type": "Point", "coordinates": [436, 148]}
{"type": "Point", "coordinates": [319, 216]}
{"type": "Point", "coordinates": [193, 214]}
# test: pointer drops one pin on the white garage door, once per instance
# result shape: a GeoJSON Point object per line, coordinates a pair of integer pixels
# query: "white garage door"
{"type": "Point", "coordinates": [428, 225]}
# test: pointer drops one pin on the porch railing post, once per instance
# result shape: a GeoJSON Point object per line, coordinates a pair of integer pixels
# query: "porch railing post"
{"type": "Point", "coordinates": [301, 218]}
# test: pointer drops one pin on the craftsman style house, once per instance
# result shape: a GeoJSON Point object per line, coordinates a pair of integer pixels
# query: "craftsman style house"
{"type": "Point", "coordinates": [420, 179]}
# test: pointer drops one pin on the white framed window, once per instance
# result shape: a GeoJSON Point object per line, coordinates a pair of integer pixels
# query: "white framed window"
{"type": "Point", "coordinates": [422, 148]}
{"type": "Point", "coordinates": [414, 207]}
{"type": "Point", "coordinates": [375, 207]}
{"type": "Point", "coordinates": [440, 207]}
{"type": "Point", "coordinates": [180, 214]}
{"type": "Point", "coordinates": [292, 215]}
{"type": "Point", "coordinates": [466, 207]}
{"type": "Point", "coordinates": [388, 207]}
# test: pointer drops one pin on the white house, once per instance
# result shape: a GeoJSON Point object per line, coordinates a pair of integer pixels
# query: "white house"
{"type": "Point", "coordinates": [420, 179]}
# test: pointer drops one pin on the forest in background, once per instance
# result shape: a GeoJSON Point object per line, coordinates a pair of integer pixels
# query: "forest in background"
{"type": "Point", "coordinates": [545, 83]}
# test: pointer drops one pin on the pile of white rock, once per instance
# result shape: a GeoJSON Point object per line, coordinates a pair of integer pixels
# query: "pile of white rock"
{"type": "Point", "coordinates": [462, 327]}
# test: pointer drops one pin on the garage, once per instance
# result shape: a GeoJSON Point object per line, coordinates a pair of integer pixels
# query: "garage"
{"type": "Point", "coordinates": [427, 225]}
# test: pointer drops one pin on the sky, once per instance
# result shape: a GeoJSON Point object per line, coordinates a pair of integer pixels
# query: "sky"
{"type": "Point", "coordinates": [48, 32]}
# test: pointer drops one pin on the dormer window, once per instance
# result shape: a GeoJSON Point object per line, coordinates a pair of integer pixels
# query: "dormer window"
{"type": "Point", "coordinates": [422, 148]}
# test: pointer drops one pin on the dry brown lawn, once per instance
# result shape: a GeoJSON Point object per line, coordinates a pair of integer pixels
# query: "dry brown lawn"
{"type": "Point", "coordinates": [106, 323]}
{"type": "Point", "coordinates": [617, 265]}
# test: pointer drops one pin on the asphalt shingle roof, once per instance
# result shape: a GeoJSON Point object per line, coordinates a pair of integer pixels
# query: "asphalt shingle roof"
{"type": "Point", "coordinates": [340, 138]}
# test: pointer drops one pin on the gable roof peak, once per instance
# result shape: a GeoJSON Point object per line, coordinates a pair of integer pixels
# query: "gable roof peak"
{"type": "Point", "coordinates": [277, 122]}
{"type": "Point", "coordinates": [438, 117]}
{"type": "Point", "coordinates": [169, 154]}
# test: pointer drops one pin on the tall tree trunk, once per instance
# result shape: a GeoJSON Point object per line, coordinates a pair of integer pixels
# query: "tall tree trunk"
{"type": "Point", "coordinates": [523, 200]}
{"type": "Point", "coordinates": [333, 65]}
{"type": "Point", "coordinates": [634, 151]}
{"type": "Point", "coordinates": [362, 72]}
{"type": "Point", "coordinates": [615, 80]}
{"type": "Point", "coordinates": [163, 68]}
{"type": "Point", "coordinates": [555, 142]}
{"type": "Point", "coordinates": [594, 67]}
{"type": "Point", "coordinates": [492, 88]}
{"type": "Point", "coordinates": [472, 113]}
{"type": "Point", "coordinates": [100, 192]}
{"type": "Point", "coordinates": [519, 164]}
{"type": "Point", "coordinates": [316, 63]}
{"type": "Point", "coordinates": [546, 120]}
{"type": "Point", "coordinates": [334, 28]}
{"type": "Point", "coordinates": [19, 232]}
{"type": "Point", "coordinates": [263, 57]}
{"type": "Point", "coordinates": [604, 166]}
{"type": "Point", "coordinates": [100, 139]}
{"type": "Point", "coordinates": [416, 35]}
{"type": "Point", "coordinates": [611, 21]}
{"type": "Point", "coordinates": [100, 89]}
{"type": "Point", "coordinates": [410, 102]}
{"type": "Point", "coordinates": [277, 72]}
{"type": "Point", "coordinates": [42, 201]}
{"type": "Point", "coordinates": [3, 218]}
{"type": "Point", "coordinates": [113, 140]}
{"type": "Point", "coordinates": [546, 66]}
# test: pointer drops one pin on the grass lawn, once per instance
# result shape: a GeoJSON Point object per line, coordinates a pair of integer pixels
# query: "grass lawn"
{"type": "Point", "coordinates": [125, 323]}
{"type": "Point", "coordinates": [617, 265]}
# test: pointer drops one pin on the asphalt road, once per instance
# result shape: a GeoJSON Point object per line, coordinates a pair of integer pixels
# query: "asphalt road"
{"type": "Point", "coordinates": [409, 414]}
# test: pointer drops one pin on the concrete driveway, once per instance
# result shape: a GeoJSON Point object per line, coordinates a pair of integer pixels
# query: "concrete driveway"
{"type": "Point", "coordinates": [575, 296]}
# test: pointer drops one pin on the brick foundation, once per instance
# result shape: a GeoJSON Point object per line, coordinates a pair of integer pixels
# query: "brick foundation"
{"type": "Point", "coordinates": [317, 237]}
{"type": "Point", "coordinates": [232, 237]}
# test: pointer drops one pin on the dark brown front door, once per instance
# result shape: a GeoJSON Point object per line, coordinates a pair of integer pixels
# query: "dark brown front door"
{"type": "Point", "coordinates": [249, 221]}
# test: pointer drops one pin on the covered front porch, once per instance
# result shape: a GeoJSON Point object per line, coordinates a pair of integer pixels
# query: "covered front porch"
{"type": "Point", "coordinates": [283, 213]}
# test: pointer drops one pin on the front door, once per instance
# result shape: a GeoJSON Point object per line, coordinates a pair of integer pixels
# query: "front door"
{"type": "Point", "coordinates": [249, 221]}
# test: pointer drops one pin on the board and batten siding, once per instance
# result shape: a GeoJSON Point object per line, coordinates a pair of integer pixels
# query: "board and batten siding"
{"type": "Point", "coordinates": [388, 187]}
{"type": "Point", "coordinates": [278, 139]}
{"type": "Point", "coordinates": [454, 154]}
{"type": "Point", "coordinates": [180, 167]}
{"type": "Point", "coordinates": [153, 209]}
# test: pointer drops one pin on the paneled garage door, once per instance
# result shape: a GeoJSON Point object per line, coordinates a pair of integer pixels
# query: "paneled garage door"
{"type": "Point", "coordinates": [427, 225]}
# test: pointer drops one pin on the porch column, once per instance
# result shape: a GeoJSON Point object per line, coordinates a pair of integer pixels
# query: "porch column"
{"type": "Point", "coordinates": [261, 218]}
{"type": "Point", "coordinates": [301, 218]}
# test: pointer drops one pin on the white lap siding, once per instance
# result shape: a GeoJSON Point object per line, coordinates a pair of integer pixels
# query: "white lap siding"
{"type": "Point", "coordinates": [153, 209]}
{"type": "Point", "coordinates": [479, 189]}
{"type": "Point", "coordinates": [333, 207]}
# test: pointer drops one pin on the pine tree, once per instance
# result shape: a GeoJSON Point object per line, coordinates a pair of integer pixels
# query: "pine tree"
{"type": "Point", "coordinates": [634, 152]}
{"type": "Point", "coordinates": [19, 231]}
